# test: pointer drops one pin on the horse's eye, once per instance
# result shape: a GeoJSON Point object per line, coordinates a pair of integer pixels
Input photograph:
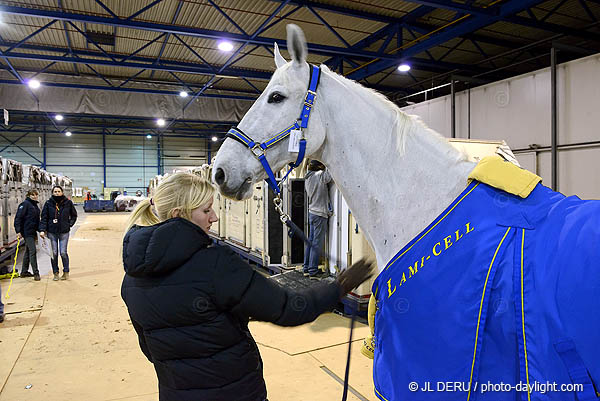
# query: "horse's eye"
{"type": "Point", "coordinates": [276, 97]}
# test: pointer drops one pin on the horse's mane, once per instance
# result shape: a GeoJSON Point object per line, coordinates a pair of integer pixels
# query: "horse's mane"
{"type": "Point", "coordinates": [405, 124]}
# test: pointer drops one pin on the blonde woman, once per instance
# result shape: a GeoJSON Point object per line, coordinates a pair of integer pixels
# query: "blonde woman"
{"type": "Point", "coordinates": [190, 301]}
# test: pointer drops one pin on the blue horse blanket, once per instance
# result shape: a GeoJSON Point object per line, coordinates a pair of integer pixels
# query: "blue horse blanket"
{"type": "Point", "coordinates": [498, 299]}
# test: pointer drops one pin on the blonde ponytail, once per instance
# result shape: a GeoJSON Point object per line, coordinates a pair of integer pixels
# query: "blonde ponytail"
{"type": "Point", "coordinates": [142, 215]}
{"type": "Point", "coordinates": [181, 192]}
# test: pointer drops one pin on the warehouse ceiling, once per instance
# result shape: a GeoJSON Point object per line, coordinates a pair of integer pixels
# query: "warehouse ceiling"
{"type": "Point", "coordinates": [172, 46]}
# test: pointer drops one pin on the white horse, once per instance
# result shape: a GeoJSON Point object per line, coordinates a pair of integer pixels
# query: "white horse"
{"type": "Point", "coordinates": [502, 285]}
{"type": "Point", "coordinates": [381, 159]}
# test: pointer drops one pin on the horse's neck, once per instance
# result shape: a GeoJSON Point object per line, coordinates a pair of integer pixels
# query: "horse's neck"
{"type": "Point", "coordinates": [393, 196]}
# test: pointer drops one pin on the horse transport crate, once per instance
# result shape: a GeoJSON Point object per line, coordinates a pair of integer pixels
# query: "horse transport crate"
{"type": "Point", "coordinates": [235, 226]}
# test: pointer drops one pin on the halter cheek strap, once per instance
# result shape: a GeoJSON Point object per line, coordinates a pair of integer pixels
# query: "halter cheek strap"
{"type": "Point", "coordinates": [259, 149]}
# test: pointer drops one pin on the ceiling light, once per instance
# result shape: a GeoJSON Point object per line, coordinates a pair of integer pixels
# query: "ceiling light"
{"type": "Point", "coordinates": [160, 122]}
{"type": "Point", "coordinates": [183, 94]}
{"type": "Point", "coordinates": [68, 133]}
{"type": "Point", "coordinates": [404, 68]}
{"type": "Point", "coordinates": [149, 136]}
{"type": "Point", "coordinates": [33, 83]}
{"type": "Point", "coordinates": [58, 117]}
{"type": "Point", "coordinates": [214, 139]}
{"type": "Point", "coordinates": [225, 46]}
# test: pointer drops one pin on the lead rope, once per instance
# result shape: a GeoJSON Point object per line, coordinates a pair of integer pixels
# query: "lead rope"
{"type": "Point", "coordinates": [14, 272]}
{"type": "Point", "coordinates": [295, 230]}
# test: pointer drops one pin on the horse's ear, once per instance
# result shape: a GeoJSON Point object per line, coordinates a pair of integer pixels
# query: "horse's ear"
{"type": "Point", "coordinates": [296, 44]}
{"type": "Point", "coordinates": [279, 60]}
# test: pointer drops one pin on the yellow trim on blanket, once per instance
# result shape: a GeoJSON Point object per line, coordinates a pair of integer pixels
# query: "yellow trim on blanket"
{"type": "Point", "coordinates": [432, 227]}
{"type": "Point", "coordinates": [498, 173]}
{"type": "Point", "coordinates": [385, 399]}
{"type": "Point", "coordinates": [523, 317]}
{"type": "Point", "coordinates": [480, 308]}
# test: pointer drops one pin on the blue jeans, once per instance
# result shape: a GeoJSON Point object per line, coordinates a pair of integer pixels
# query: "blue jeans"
{"type": "Point", "coordinates": [63, 241]}
{"type": "Point", "coordinates": [317, 227]}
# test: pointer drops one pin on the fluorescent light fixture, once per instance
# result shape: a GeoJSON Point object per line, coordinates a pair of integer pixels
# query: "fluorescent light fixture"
{"type": "Point", "coordinates": [149, 136]}
{"type": "Point", "coordinates": [404, 67]}
{"type": "Point", "coordinates": [33, 83]}
{"type": "Point", "coordinates": [160, 122]}
{"type": "Point", "coordinates": [183, 94]}
{"type": "Point", "coordinates": [68, 133]}
{"type": "Point", "coordinates": [214, 139]}
{"type": "Point", "coordinates": [58, 117]}
{"type": "Point", "coordinates": [225, 46]}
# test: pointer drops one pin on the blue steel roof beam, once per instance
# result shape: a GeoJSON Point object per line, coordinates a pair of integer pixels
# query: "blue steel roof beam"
{"type": "Point", "coordinates": [134, 90]}
{"type": "Point", "coordinates": [281, 18]}
{"type": "Point", "coordinates": [99, 75]}
{"type": "Point", "coordinates": [108, 10]}
{"type": "Point", "coordinates": [16, 45]}
{"type": "Point", "coordinates": [252, 85]}
{"type": "Point", "coordinates": [142, 10]}
{"type": "Point", "coordinates": [230, 60]}
{"type": "Point", "coordinates": [188, 31]}
{"type": "Point", "coordinates": [483, 53]}
{"type": "Point", "coordinates": [195, 69]}
{"type": "Point", "coordinates": [385, 43]}
{"type": "Point", "coordinates": [43, 70]}
{"type": "Point", "coordinates": [460, 42]}
{"type": "Point", "coordinates": [88, 40]}
{"type": "Point", "coordinates": [468, 25]}
{"type": "Point", "coordinates": [588, 11]}
{"type": "Point", "coordinates": [554, 9]}
{"type": "Point", "coordinates": [531, 14]}
{"type": "Point", "coordinates": [131, 77]}
{"type": "Point", "coordinates": [337, 35]}
{"type": "Point", "coordinates": [164, 44]}
{"type": "Point", "coordinates": [144, 47]}
{"type": "Point", "coordinates": [545, 26]}
{"type": "Point", "coordinates": [227, 17]}
{"type": "Point", "coordinates": [194, 52]}
{"type": "Point", "coordinates": [458, 7]}
{"type": "Point", "coordinates": [181, 82]}
{"type": "Point", "coordinates": [415, 37]}
{"type": "Point", "coordinates": [68, 36]}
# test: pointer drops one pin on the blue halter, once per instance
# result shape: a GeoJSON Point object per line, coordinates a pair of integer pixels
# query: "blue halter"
{"type": "Point", "coordinates": [259, 149]}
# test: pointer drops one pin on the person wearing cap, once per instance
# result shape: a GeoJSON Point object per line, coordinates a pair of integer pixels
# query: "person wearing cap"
{"type": "Point", "coordinates": [315, 185]}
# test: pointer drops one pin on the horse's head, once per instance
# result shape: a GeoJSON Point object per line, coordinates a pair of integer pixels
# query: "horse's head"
{"type": "Point", "coordinates": [236, 168]}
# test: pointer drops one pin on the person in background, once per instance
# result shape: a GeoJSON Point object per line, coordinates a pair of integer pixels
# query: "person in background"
{"type": "Point", "coordinates": [1, 307]}
{"type": "Point", "coordinates": [58, 216]}
{"type": "Point", "coordinates": [190, 301]}
{"type": "Point", "coordinates": [27, 224]}
{"type": "Point", "coordinates": [315, 185]}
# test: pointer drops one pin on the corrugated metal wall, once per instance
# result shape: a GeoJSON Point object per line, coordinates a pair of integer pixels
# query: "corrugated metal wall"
{"type": "Point", "coordinates": [518, 110]}
{"type": "Point", "coordinates": [131, 161]}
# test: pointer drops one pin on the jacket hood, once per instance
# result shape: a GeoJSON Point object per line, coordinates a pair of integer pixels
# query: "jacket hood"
{"type": "Point", "coordinates": [159, 249]}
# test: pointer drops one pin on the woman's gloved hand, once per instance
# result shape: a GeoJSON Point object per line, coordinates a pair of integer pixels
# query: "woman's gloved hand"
{"type": "Point", "coordinates": [355, 275]}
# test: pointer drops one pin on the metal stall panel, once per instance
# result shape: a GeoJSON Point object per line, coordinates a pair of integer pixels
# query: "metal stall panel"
{"type": "Point", "coordinates": [236, 222]}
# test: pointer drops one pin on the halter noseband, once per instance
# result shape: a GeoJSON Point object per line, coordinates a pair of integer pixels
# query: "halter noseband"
{"type": "Point", "coordinates": [259, 149]}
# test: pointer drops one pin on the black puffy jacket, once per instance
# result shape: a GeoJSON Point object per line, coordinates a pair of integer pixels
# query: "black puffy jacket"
{"type": "Point", "coordinates": [64, 212]}
{"type": "Point", "coordinates": [190, 303]}
{"type": "Point", "coordinates": [27, 219]}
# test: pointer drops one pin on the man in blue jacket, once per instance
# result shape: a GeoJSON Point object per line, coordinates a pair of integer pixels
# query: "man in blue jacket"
{"type": "Point", "coordinates": [27, 224]}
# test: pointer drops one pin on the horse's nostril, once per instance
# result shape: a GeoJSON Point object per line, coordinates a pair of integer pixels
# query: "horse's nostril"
{"type": "Point", "coordinates": [219, 176]}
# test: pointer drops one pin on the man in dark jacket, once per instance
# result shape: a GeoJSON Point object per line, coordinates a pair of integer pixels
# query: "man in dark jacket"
{"type": "Point", "coordinates": [190, 303]}
{"type": "Point", "coordinates": [58, 216]}
{"type": "Point", "coordinates": [27, 223]}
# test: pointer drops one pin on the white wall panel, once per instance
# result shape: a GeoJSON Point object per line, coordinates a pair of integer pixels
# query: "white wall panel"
{"type": "Point", "coordinates": [518, 110]}
{"type": "Point", "coordinates": [74, 149]}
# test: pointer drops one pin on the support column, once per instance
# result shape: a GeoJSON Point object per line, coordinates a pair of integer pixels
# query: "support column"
{"type": "Point", "coordinates": [554, 116]}
{"type": "Point", "coordinates": [104, 157]}
{"type": "Point", "coordinates": [453, 107]}
{"type": "Point", "coordinates": [44, 149]}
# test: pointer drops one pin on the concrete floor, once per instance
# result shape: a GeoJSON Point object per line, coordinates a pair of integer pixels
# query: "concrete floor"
{"type": "Point", "coordinates": [72, 340]}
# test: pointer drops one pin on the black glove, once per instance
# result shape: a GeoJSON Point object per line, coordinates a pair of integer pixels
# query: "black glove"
{"type": "Point", "coordinates": [354, 276]}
